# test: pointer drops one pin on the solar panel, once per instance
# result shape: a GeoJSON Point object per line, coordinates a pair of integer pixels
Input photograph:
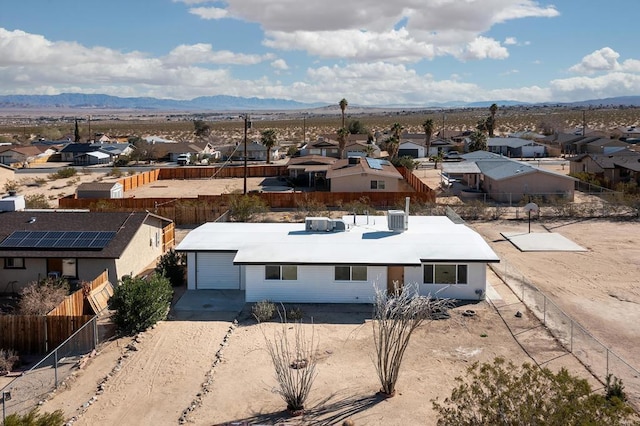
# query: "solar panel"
{"type": "Point", "coordinates": [374, 163]}
{"type": "Point", "coordinates": [58, 239]}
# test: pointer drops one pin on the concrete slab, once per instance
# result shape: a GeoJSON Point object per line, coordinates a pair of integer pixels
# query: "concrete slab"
{"type": "Point", "coordinates": [541, 241]}
{"type": "Point", "coordinates": [209, 305]}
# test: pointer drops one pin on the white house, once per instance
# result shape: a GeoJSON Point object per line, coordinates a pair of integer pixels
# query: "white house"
{"type": "Point", "coordinates": [339, 261]}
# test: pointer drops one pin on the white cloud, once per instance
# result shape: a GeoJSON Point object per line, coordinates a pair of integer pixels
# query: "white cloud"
{"type": "Point", "coordinates": [202, 53]}
{"type": "Point", "coordinates": [604, 86]}
{"type": "Point", "coordinates": [510, 41]}
{"type": "Point", "coordinates": [605, 59]}
{"type": "Point", "coordinates": [280, 64]}
{"type": "Point", "coordinates": [483, 48]}
{"type": "Point", "coordinates": [209, 12]}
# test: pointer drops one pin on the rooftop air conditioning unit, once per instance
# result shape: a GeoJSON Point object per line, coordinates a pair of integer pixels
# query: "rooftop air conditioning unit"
{"type": "Point", "coordinates": [318, 224]}
{"type": "Point", "coordinates": [395, 220]}
{"type": "Point", "coordinates": [12, 203]}
{"type": "Point", "coordinates": [339, 225]}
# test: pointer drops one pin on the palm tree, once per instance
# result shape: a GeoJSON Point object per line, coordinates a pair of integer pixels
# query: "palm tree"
{"type": "Point", "coordinates": [428, 133]}
{"type": "Point", "coordinates": [343, 134]}
{"type": "Point", "coordinates": [478, 141]}
{"type": "Point", "coordinates": [369, 150]}
{"type": "Point", "coordinates": [269, 139]}
{"type": "Point", "coordinates": [492, 109]}
{"type": "Point", "coordinates": [343, 106]}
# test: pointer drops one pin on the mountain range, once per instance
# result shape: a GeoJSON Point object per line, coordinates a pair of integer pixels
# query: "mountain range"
{"type": "Point", "coordinates": [234, 103]}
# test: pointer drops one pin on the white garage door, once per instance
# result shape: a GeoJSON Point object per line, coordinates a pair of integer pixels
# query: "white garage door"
{"type": "Point", "coordinates": [216, 271]}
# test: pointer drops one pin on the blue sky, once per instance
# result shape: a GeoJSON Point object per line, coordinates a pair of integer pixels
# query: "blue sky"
{"type": "Point", "coordinates": [371, 52]}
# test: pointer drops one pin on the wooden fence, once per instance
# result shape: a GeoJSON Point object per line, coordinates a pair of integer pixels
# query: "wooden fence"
{"type": "Point", "coordinates": [37, 334]}
{"type": "Point", "coordinates": [221, 172]}
{"type": "Point", "coordinates": [139, 179]}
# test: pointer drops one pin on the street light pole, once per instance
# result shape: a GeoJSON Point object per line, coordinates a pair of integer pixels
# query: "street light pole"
{"type": "Point", "coordinates": [247, 125]}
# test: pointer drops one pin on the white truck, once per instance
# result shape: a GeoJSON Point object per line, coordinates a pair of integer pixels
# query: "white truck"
{"type": "Point", "coordinates": [184, 159]}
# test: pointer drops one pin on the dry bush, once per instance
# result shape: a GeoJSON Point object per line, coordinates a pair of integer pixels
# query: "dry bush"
{"type": "Point", "coordinates": [41, 298]}
{"type": "Point", "coordinates": [293, 356]}
{"type": "Point", "coordinates": [8, 359]}
{"type": "Point", "coordinates": [396, 316]}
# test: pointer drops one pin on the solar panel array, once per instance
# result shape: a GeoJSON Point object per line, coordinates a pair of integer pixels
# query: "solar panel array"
{"type": "Point", "coordinates": [58, 239]}
{"type": "Point", "coordinates": [376, 163]}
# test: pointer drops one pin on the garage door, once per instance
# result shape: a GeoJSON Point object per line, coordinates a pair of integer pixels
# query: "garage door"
{"type": "Point", "coordinates": [413, 153]}
{"type": "Point", "coordinates": [216, 271]}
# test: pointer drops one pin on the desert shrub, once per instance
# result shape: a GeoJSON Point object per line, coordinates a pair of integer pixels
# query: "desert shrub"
{"type": "Point", "coordinates": [115, 172]}
{"type": "Point", "coordinates": [11, 185]}
{"type": "Point", "coordinates": [35, 418]}
{"type": "Point", "coordinates": [171, 266]}
{"type": "Point", "coordinates": [39, 181]}
{"type": "Point", "coordinates": [244, 207]}
{"type": "Point", "coordinates": [312, 207]}
{"type": "Point", "coordinates": [65, 172]}
{"type": "Point", "coordinates": [263, 310]}
{"type": "Point", "coordinates": [360, 206]}
{"type": "Point", "coordinates": [614, 388]}
{"type": "Point", "coordinates": [121, 161]}
{"type": "Point", "coordinates": [39, 298]}
{"type": "Point", "coordinates": [405, 161]}
{"type": "Point", "coordinates": [8, 359]}
{"type": "Point", "coordinates": [295, 313]}
{"type": "Point", "coordinates": [36, 201]}
{"type": "Point", "coordinates": [503, 393]}
{"type": "Point", "coordinates": [139, 304]}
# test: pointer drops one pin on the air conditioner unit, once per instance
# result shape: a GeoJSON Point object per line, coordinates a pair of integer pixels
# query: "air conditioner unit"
{"type": "Point", "coordinates": [339, 225]}
{"type": "Point", "coordinates": [395, 220]}
{"type": "Point", "coordinates": [318, 224]}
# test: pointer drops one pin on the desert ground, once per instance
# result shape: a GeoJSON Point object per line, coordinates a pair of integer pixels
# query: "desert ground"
{"type": "Point", "coordinates": [171, 371]}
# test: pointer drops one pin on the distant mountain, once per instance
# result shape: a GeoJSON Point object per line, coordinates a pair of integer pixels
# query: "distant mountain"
{"type": "Point", "coordinates": [234, 103]}
{"type": "Point", "coordinates": [85, 101]}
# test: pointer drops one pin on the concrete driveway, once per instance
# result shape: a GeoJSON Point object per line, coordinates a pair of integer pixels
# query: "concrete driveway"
{"type": "Point", "coordinates": [208, 305]}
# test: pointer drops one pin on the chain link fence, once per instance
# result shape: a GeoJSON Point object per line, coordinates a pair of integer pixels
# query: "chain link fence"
{"type": "Point", "coordinates": [593, 354]}
{"type": "Point", "coordinates": [24, 392]}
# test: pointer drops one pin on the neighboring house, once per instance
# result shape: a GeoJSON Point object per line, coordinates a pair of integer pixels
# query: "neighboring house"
{"type": "Point", "coordinates": [363, 174]}
{"type": "Point", "coordinates": [6, 174]}
{"type": "Point", "coordinates": [506, 180]}
{"type": "Point", "coordinates": [79, 245]}
{"type": "Point", "coordinates": [71, 150]}
{"type": "Point", "coordinates": [516, 147]}
{"type": "Point", "coordinates": [560, 143]}
{"type": "Point", "coordinates": [626, 132]}
{"type": "Point", "coordinates": [360, 148]}
{"type": "Point", "coordinates": [115, 150]}
{"type": "Point", "coordinates": [100, 190]}
{"type": "Point", "coordinates": [21, 155]}
{"type": "Point", "coordinates": [322, 146]}
{"type": "Point", "coordinates": [310, 170]}
{"type": "Point", "coordinates": [411, 149]}
{"type": "Point", "coordinates": [339, 261]}
{"type": "Point", "coordinates": [197, 149]}
{"type": "Point", "coordinates": [255, 152]}
{"type": "Point", "coordinates": [623, 166]}
{"type": "Point", "coordinates": [92, 158]}
{"type": "Point", "coordinates": [600, 146]}
{"type": "Point", "coordinates": [157, 139]}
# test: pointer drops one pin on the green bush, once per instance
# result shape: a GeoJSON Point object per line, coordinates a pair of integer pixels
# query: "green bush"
{"type": "Point", "coordinates": [35, 418]}
{"type": "Point", "coordinates": [63, 173]}
{"type": "Point", "coordinates": [171, 265]}
{"type": "Point", "coordinates": [244, 207]}
{"type": "Point", "coordinates": [36, 201]}
{"type": "Point", "coordinates": [139, 304]}
{"type": "Point", "coordinates": [263, 310]}
{"type": "Point", "coordinates": [115, 172]}
{"type": "Point", "coordinates": [295, 313]}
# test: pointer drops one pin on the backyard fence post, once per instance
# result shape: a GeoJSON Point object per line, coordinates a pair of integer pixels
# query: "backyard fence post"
{"type": "Point", "coordinates": [571, 338]}
{"type": "Point", "coordinates": [4, 409]}
{"type": "Point", "coordinates": [95, 332]}
{"type": "Point", "coordinates": [55, 367]}
{"type": "Point", "coordinates": [607, 361]}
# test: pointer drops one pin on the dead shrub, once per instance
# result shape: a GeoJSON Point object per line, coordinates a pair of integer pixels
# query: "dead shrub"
{"type": "Point", "coordinates": [8, 359]}
{"type": "Point", "coordinates": [40, 298]}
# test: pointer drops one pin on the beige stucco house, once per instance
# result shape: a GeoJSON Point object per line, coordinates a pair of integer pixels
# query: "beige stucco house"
{"type": "Point", "coordinates": [363, 174]}
{"type": "Point", "coordinates": [79, 245]}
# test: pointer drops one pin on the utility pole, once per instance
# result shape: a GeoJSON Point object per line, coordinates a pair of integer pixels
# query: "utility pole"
{"type": "Point", "coordinates": [89, 117]}
{"type": "Point", "coordinates": [584, 124]}
{"type": "Point", "coordinates": [247, 125]}
{"type": "Point", "coordinates": [443, 117]}
{"type": "Point", "coordinates": [304, 130]}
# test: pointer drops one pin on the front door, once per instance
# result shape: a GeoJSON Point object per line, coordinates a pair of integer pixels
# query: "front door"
{"type": "Point", "coordinates": [395, 278]}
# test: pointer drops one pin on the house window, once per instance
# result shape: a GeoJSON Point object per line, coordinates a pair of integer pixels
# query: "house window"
{"type": "Point", "coordinates": [445, 274]}
{"type": "Point", "coordinates": [281, 272]}
{"type": "Point", "coordinates": [14, 263]}
{"type": "Point", "coordinates": [377, 184]}
{"type": "Point", "coordinates": [350, 273]}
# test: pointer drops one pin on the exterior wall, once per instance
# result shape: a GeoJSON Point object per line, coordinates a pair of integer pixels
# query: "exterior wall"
{"type": "Point", "coordinates": [359, 183]}
{"type": "Point", "coordinates": [191, 270]}
{"type": "Point", "coordinates": [144, 248]}
{"type": "Point", "coordinates": [89, 269]}
{"type": "Point", "coordinates": [412, 146]}
{"type": "Point", "coordinates": [514, 189]}
{"type": "Point", "coordinates": [585, 165]}
{"type": "Point", "coordinates": [315, 284]}
{"type": "Point", "coordinates": [477, 281]}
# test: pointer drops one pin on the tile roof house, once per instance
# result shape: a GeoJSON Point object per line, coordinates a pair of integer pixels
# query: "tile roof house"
{"type": "Point", "coordinates": [20, 155]}
{"type": "Point", "coordinates": [364, 174]}
{"type": "Point", "coordinates": [339, 261]}
{"type": "Point", "coordinates": [79, 245]}
{"type": "Point", "coordinates": [322, 146]}
{"type": "Point", "coordinates": [621, 166]}
{"type": "Point", "coordinates": [310, 170]}
{"type": "Point", "coordinates": [505, 180]}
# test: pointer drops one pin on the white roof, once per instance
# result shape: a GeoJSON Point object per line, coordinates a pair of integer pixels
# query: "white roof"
{"type": "Point", "coordinates": [428, 238]}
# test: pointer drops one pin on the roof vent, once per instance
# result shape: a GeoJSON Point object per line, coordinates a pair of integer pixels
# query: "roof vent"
{"type": "Point", "coordinates": [395, 220]}
{"type": "Point", "coordinates": [317, 224]}
{"type": "Point", "coordinates": [354, 160]}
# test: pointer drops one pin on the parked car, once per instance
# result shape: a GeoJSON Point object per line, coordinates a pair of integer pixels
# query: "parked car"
{"type": "Point", "coordinates": [452, 155]}
{"type": "Point", "coordinates": [184, 159]}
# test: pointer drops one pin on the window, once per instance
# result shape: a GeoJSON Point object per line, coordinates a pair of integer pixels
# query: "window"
{"type": "Point", "coordinates": [351, 273]}
{"type": "Point", "coordinates": [377, 184]}
{"type": "Point", "coordinates": [69, 268]}
{"type": "Point", "coordinates": [14, 263]}
{"type": "Point", "coordinates": [281, 272]}
{"type": "Point", "coordinates": [445, 274]}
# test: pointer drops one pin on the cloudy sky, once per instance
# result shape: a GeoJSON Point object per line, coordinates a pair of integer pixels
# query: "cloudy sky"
{"type": "Point", "coordinates": [372, 52]}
